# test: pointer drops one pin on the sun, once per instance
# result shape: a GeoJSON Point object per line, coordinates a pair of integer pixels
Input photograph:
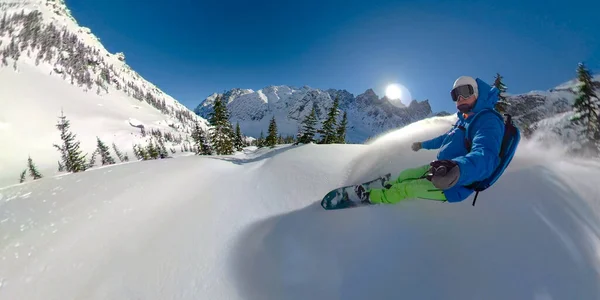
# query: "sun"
{"type": "Point", "coordinates": [393, 92]}
{"type": "Point", "coordinates": [398, 95]}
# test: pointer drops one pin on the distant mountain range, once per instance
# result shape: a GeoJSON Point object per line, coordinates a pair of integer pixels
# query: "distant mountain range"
{"type": "Point", "coordinates": [543, 115]}
{"type": "Point", "coordinates": [368, 114]}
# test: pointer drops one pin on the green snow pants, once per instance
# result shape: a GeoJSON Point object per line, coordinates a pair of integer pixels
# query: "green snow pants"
{"type": "Point", "coordinates": [410, 184]}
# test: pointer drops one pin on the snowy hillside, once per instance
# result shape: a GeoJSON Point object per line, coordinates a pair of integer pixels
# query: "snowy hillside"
{"type": "Point", "coordinates": [49, 63]}
{"type": "Point", "coordinates": [368, 115]}
{"type": "Point", "coordinates": [120, 233]}
{"type": "Point", "coordinates": [545, 115]}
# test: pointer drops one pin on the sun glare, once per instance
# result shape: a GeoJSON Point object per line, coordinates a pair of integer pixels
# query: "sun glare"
{"type": "Point", "coordinates": [393, 92]}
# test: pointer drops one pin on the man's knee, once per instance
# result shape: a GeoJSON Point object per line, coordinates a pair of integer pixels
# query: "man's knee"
{"type": "Point", "coordinates": [413, 173]}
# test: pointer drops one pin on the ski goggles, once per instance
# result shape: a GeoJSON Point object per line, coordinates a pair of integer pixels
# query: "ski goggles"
{"type": "Point", "coordinates": [463, 90]}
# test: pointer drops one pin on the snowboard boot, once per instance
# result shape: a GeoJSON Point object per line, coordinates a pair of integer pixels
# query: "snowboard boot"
{"type": "Point", "coordinates": [362, 194]}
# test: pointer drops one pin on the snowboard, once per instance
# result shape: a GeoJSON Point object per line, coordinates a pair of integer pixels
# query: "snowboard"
{"type": "Point", "coordinates": [346, 197]}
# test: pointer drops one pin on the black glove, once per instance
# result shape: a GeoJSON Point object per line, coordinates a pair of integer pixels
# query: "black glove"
{"type": "Point", "coordinates": [443, 174]}
{"type": "Point", "coordinates": [416, 146]}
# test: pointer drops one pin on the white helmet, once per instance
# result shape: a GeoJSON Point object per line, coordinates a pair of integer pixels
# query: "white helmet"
{"type": "Point", "coordinates": [467, 80]}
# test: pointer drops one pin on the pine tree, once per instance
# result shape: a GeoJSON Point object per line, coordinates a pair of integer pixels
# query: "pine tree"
{"type": "Point", "coordinates": [118, 153]}
{"type": "Point", "coordinates": [328, 130]}
{"type": "Point", "coordinates": [105, 156]}
{"type": "Point", "coordinates": [341, 130]}
{"type": "Point", "coordinates": [197, 137]}
{"type": "Point", "coordinates": [136, 152]}
{"type": "Point", "coordinates": [239, 139]}
{"type": "Point", "coordinates": [260, 142]}
{"type": "Point", "coordinates": [221, 132]}
{"type": "Point", "coordinates": [72, 157]}
{"type": "Point", "coordinates": [271, 139]}
{"type": "Point", "coordinates": [92, 159]}
{"type": "Point", "coordinates": [61, 167]}
{"type": "Point", "coordinates": [162, 149]}
{"type": "Point", "coordinates": [205, 148]}
{"type": "Point", "coordinates": [308, 131]}
{"type": "Point", "coordinates": [502, 104]}
{"type": "Point", "coordinates": [587, 109]}
{"type": "Point", "coordinates": [144, 153]}
{"type": "Point", "coordinates": [33, 171]}
{"type": "Point", "coordinates": [22, 178]}
{"type": "Point", "coordinates": [201, 146]}
{"type": "Point", "coordinates": [153, 151]}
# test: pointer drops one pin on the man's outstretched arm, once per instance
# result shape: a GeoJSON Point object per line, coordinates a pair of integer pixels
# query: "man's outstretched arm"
{"type": "Point", "coordinates": [434, 143]}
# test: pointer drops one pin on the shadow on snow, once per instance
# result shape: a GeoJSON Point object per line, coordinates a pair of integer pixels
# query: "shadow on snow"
{"type": "Point", "coordinates": [517, 243]}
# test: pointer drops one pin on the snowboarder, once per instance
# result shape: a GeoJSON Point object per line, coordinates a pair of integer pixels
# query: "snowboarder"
{"type": "Point", "coordinates": [469, 153]}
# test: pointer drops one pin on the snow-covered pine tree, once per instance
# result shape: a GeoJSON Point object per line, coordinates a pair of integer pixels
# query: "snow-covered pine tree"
{"type": "Point", "coordinates": [221, 132]}
{"type": "Point", "coordinates": [73, 159]}
{"type": "Point", "coordinates": [136, 152]}
{"type": "Point", "coordinates": [118, 153]}
{"type": "Point", "coordinates": [61, 167]}
{"type": "Point", "coordinates": [239, 139]}
{"type": "Point", "coordinates": [144, 154]}
{"type": "Point", "coordinates": [271, 139]}
{"type": "Point", "coordinates": [153, 151]}
{"type": "Point", "coordinates": [92, 159]}
{"type": "Point", "coordinates": [328, 130]}
{"type": "Point", "coordinates": [197, 137]}
{"type": "Point", "coordinates": [341, 129]}
{"type": "Point", "coordinates": [162, 149]}
{"type": "Point", "coordinates": [33, 171]}
{"type": "Point", "coordinates": [502, 104]}
{"type": "Point", "coordinates": [22, 178]}
{"type": "Point", "coordinates": [308, 131]}
{"type": "Point", "coordinates": [289, 139]}
{"type": "Point", "coordinates": [260, 142]}
{"type": "Point", "coordinates": [205, 147]}
{"type": "Point", "coordinates": [105, 156]}
{"type": "Point", "coordinates": [587, 110]}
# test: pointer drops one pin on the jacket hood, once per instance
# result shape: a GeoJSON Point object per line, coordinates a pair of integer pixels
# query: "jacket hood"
{"type": "Point", "coordinates": [487, 98]}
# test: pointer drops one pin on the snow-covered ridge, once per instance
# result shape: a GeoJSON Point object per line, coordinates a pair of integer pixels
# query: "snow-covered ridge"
{"type": "Point", "coordinates": [46, 31]}
{"type": "Point", "coordinates": [49, 63]}
{"type": "Point", "coordinates": [545, 116]}
{"type": "Point", "coordinates": [368, 115]}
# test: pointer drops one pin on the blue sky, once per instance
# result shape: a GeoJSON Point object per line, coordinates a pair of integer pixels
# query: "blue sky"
{"type": "Point", "coordinates": [191, 49]}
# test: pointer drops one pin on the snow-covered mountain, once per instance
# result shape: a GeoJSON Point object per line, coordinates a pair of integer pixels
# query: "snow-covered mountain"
{"type": "Point", "coordinates": [252, 229]}
{"type": "Point", "coordinates": [49, 63]}
{"type": "Point", "coordinates": [368, 115]}
{"type": "Point", "coordinates": [545, 115]}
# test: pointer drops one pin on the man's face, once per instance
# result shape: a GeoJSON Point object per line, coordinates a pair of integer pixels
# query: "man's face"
{"type": "Point", "coordinates": [465, 105]}
{"type": "Point", "coordinates": [468, 101]}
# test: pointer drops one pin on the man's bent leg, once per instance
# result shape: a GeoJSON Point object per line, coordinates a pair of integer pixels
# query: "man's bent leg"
{"type": "Point", "coordinates": [412, 189]}
{"type": "Point", "coordinates": [412, 173]}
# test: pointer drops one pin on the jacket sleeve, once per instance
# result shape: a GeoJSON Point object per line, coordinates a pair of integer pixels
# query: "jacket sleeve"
{"type": "Point", "coordinates": [485, 150]}
{"type": "Point", "coordinates": [434, 143]}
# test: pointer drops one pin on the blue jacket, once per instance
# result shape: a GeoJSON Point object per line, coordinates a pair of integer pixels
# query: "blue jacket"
{"type": "Point", "coordinates": [486, 137]}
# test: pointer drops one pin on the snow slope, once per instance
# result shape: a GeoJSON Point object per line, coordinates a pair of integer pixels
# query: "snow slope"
{"type": "Point", "coordinates": [249, 226]}
{"type": "Point", "coordinates": [54, 64]}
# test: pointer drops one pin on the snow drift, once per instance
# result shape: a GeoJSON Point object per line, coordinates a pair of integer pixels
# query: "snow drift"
{"type": "Point", "coordinates": [249, 226]}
